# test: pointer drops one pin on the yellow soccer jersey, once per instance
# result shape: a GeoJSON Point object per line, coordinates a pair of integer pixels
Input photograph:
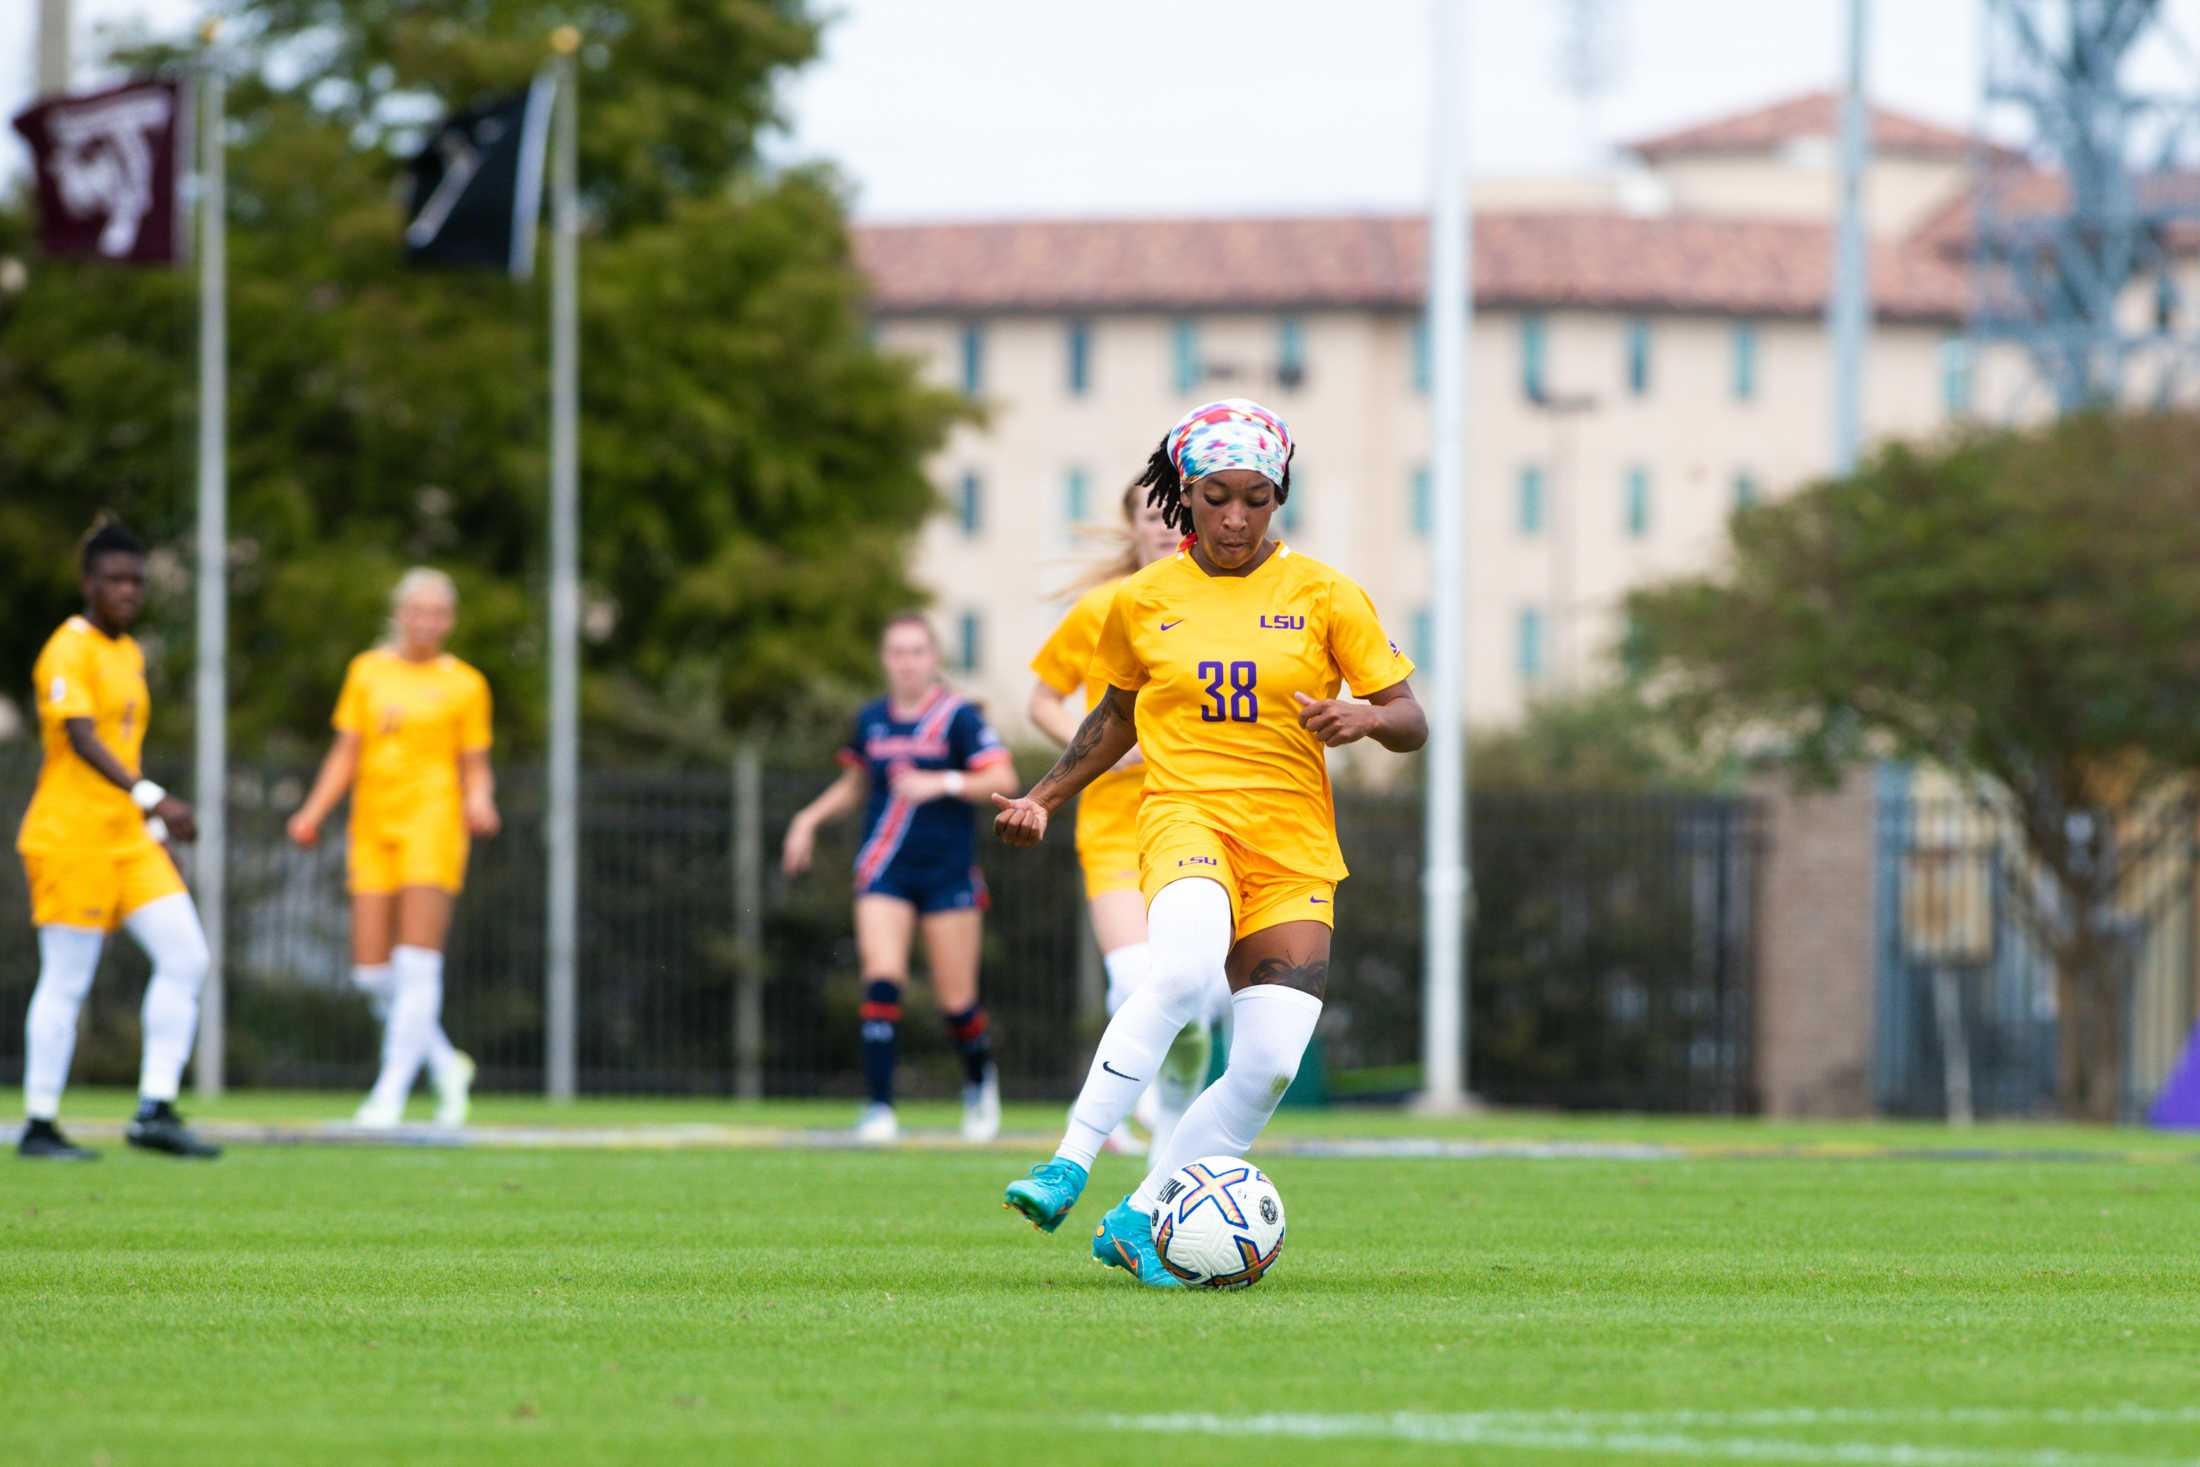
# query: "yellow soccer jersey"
{"type": "Point", "coordinates": [1215, 661]}
{"type": "Point", "coordinates": [413, 720]}
{"type": "Point", "coordinates": [1065, 663]}
{"type": "Point", "coordinates": [84, 673]}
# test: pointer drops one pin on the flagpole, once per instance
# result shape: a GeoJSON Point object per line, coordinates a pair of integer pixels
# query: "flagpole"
{"type": "Point", "coordinates": [1447, 882]}
{"type": "Point", "coordinates": [212, 784]}
{"type": "Point", "coordinates": [562, 820]}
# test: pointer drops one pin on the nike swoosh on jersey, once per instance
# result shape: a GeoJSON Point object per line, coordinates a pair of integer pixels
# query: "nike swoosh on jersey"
{"type": "Point", "coordinates": [1170, 626]}
{"type": "Point", "coordinates": [1319, 901]}
{"type": "Point", "coordinates": [1119, 1074]}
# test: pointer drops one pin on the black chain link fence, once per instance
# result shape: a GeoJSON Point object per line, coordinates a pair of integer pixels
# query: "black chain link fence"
{"type": "Point", "coordinates": [1611, 956]}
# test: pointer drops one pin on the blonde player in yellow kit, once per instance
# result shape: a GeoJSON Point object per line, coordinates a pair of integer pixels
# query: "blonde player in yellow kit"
{"type": "Point", "coordinates": [412, 744]}
{"type": "Point", "coordinates": [1224, 665]}
{"type": "Point", "coordinates": [91, 849]}
{"type": "Point", "coordinates": [1107, 814]}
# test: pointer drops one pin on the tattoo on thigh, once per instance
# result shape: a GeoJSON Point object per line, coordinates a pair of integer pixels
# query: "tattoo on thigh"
{"type": "Point", "coordinates": [1311, 977]}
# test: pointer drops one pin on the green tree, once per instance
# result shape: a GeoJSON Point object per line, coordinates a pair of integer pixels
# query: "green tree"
{"type": "Point", "coordinates": [752, 467]}
{"type": "Point", "coordinates": [2017, 607]}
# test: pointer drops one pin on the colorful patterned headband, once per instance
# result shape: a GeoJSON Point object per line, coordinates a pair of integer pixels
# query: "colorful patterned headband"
{"type": "Point", "coordinates": [1235, 433]}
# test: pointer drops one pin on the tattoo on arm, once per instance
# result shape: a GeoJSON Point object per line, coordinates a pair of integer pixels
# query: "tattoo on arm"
{"type": "Point", "coordinates": [1310, 977]}
{"type": "Point", "coordinates": [1107, 718]}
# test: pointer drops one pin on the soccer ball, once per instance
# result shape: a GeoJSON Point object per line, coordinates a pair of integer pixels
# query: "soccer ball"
{"type": "Point", "coordinates": [1219, 1224]}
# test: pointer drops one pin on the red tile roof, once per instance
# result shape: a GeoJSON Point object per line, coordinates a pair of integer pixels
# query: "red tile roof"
{"type": "Point", "coordinates": [1814, 114]}
{"type": "Point", "coordinates": [1738, 266]}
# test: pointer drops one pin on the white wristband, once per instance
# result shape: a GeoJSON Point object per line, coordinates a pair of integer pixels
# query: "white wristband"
{"type": "Point", "coordinates": [954, 783]}
{"type": "Point", "coordinates": [157, 828]}
{"type": "Point", "coordinates": [145, 794]}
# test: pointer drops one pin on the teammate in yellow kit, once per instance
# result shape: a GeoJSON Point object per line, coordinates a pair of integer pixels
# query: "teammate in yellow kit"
{"type": "Point", "coordinates": [412, 742]}
{"type": "Point", "coordinates": [91, 847]}
{"type": "Point", "coordinates": [1224, 665]}
{"type": "Point", "coordinates": [1107, 813]}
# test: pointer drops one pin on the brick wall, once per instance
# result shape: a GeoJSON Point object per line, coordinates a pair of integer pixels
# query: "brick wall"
{"type": "Point", "coordinates": [1815, 957]}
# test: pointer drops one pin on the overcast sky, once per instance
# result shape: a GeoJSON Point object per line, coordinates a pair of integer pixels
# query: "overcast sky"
{"type": "Point", "coordinates": [949, 108]}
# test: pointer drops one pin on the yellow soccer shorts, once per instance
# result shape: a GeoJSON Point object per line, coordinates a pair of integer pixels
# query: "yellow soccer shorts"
{"type": "Point", "coordinates": [1107, 832]}
{"type": "Point", "coordinates": [96, 889]}
{"type": "Point", "coordinates": [386, 858]}
{"type": "Point", "coordinates": [1263, 894]}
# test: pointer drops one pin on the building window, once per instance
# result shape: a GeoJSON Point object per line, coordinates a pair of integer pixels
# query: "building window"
{"type": "Point", "coordinates": [1636, 510]}
{"type": "Point", "coordinates": [1531, 644]}
{"type": "Point", "coordinates": [1745, 490]}
{"type": "Point", "coordinates": [1290, 515]}
{"type": "Point", "coordinates": [1745, 360]}
{"type": "Point", "coordinates": [1079, 344]}
{"type": "Point", "coordinates": [1424, 635]}
{"type": "Point", "coordinates": [969, 642]}
{"type": "Point", "coordinates": [1290, 352]}
{"type": "Point", "coordinates": [973, 359]}
{"type": "Point", "coordinates": [1638, 356]}
{"type": "Point", "coordinates": [1421, 506]}
{"type": "Point", "coordinates": [1532, 353]}
{"type": "Point", "coordinates": [1421, 367]}
{"type": "Point", "coordinates": [1076, 508]}
{"type": "Point", "coordinates": [1187, 370]}
{"type": "Point", "coordinates": [970, 504]}
{"type": "Point", "coordinates": [1955, 377]}
{"type": "Point", "coordinates": [1531, 500]}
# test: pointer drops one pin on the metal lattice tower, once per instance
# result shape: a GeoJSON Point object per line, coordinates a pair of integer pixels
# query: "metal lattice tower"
{"type": "Point", "coordinates": [2078, 232]}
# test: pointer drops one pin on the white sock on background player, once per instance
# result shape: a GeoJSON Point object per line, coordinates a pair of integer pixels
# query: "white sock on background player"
{"type": "Point", "coordinates": [1127, 967]}
{"type": "Point", "coordinates": [1188, 936]}
{"type": "Point", "coordinates": [67, 957]}
{"type": "Point", "coordinates": [416, 1007]}
{"type": "Point", "coordinates": [169, 931]}
{"type": "Point", "coordinates": [378, 981]}
{"type": "Point", "coordinates": [1271, 1027]}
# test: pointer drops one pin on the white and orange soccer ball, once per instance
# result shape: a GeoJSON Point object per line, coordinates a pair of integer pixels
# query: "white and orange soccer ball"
{"type": "Point", "coordinates": [1219, 1224]}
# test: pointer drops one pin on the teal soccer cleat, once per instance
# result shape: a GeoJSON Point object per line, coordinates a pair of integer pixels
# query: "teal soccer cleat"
{"type": "Point", "coordinates": [1124, 1240]}
{"type": "Point", "coordinates": [1046, 1196]}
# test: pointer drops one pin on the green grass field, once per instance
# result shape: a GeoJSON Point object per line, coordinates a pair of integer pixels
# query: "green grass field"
{"type": "Point", "coordinates": [2029, 1296]}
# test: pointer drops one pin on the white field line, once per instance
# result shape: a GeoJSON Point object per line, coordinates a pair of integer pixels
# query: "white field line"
{"type": "Point", "coordinates": [1690, 1434]}
{"type": "Point", "coordinates": [701, 1135]}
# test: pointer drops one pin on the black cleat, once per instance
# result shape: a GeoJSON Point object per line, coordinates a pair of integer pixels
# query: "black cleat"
{"type": "Point", "coordinates": [43, 1141]}
{"type": "Point", "coordinates": [157, 1127]}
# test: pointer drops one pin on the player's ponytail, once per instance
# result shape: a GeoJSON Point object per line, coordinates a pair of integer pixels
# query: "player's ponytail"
{"type": "Point", "coordinates": [1125, 560]}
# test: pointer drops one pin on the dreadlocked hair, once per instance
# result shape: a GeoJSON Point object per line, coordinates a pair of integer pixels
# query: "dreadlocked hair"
{"type": "Point", "coordinates": [107, 536]}
{"type": "Point", "coordinates": [1165, 486]}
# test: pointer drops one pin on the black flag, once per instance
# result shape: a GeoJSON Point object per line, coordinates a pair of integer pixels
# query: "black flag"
{"type": "Point", "coordinates": [477, 185]}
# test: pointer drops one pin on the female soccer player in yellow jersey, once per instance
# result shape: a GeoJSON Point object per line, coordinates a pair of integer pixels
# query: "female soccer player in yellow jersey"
{"type": "Point", "coordinates": [412, 729]}
{"type": "Point", "coordinates": [91, 848]}
{"type": "Point", "coordinates": [1223, 664]}
{"type": "Point", "coordinates": [1107, 814]}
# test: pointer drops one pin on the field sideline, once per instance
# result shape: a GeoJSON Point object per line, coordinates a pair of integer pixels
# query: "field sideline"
{"type": "Point", "coordinates": [1896, 1294]}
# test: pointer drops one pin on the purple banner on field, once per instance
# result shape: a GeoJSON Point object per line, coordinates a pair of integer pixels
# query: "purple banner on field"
{"type": "Point", "coordinates": [2177, 1108]}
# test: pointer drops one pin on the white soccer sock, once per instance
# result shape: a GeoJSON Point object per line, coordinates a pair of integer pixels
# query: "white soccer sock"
{"type": "Point", "coordinates": [378, 983]}
{"type": "Point", "coordinates": [1127, 967]}
{"type": "Point", "coordinates": [1183, 1075]}
{"type": "Point", "coordinates": [1189, 930]}
{"type": "Point", "coordinates": [415, 1009]}
{"type": "Point", "coordinates": [66, 958]}
{"type": "Point", "coordinates": [170, 933]}
{"type": "Point", "coordinates": [1273, 1025]}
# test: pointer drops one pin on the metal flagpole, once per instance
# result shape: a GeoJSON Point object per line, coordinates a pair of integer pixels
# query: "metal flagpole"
{"type": "Point", "coordinates": [54, 26]}
{"type": "Point", "coordinates": [1848, 310]}
{"type": "Point", "coordinates": [211, 784]}
{"type": "Point", "coordinates": [562, 820]}
{"type": "Point", "coordinates": [1448, 889]}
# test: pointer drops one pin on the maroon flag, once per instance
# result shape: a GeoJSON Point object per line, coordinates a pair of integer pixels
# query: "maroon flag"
{"type": "Point", "coordinates": [108, 168]}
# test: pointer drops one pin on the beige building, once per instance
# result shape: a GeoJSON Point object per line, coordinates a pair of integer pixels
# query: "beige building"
{"type": "Point", "coordinates": [1648, 352]}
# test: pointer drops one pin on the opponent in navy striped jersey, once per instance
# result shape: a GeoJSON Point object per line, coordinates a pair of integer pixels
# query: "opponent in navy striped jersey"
{"type": "Point", "coordinates": [917, 761]}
